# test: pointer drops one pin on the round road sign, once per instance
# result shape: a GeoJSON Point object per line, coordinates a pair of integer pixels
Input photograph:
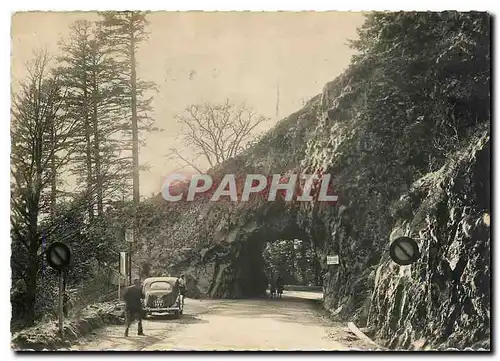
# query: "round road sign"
{"type": "Point", "coordinates": [58, 256]}
{"type": "Point", "coordinates": [404, 251]}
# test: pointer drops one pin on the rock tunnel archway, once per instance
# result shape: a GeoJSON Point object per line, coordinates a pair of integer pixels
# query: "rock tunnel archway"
{"type": "Point", "coordinates": [240, 272]}
{"type": "Point", "coordinates": [251, 265]}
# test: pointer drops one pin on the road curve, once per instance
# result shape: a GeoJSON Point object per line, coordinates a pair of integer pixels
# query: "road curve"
{"type": "Point", "coordinates": [287, 324]}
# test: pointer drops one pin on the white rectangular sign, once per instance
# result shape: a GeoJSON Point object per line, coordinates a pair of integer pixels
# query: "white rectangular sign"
{"type": "Point", "coordinates": [123, 263]}
{"type": "Point", "coordinates": [129, 235]}
{"type": "Point", "coordinates": [332, 260]}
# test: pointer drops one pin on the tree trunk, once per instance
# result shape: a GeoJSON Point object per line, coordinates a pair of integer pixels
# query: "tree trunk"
{"type": "Point", "coordinates": [30, 295]}
{"type": "Point", "coordinates": [303, 261]}
{"type": "Point", "coordinates": [88, 150]}
{"type": "Point", "coordinates": [317, 270]}
{"type": "Point", "coordinates": [97, 155]}
{"type": "Point", "coordinates": [53, 176]}
{"type": "Point", "coordinates": [32, 269]}
{"type": "Point", "coordinates": [135, 135]}
{"type": "Point", "coordinates": [135, 131]}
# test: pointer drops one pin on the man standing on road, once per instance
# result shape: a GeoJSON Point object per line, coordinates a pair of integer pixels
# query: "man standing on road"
{"type": "Point", "coordinates": [133, 306]}
{"type": "Point", "coordinates": [181, 283]}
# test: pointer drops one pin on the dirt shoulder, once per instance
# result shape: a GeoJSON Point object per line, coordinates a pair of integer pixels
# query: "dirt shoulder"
{"type": "Point", "coordinates": [45, 336]}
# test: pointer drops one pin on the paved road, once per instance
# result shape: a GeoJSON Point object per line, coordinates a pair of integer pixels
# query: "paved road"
{"type": "Point", "coordinates": [290, 323]}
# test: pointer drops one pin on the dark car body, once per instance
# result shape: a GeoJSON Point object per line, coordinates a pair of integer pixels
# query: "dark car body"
{"type": "Point", "coordinates": [161, 295]}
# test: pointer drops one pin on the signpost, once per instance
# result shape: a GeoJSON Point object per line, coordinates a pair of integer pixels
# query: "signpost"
{"type": "Point", "coordinates": [129, 238]}
{"type": "Point", "coordinates": [404, 251]}
{"type": "Point", "coordinates": [123, 267]}
{"type": "Point", "coordinates": [59, 257]}
{"type": "Point", "coordinates": [330, 260]}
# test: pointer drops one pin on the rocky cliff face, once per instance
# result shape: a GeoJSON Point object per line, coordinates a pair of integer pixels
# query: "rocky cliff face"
{"type": "Point", "coordinates": [445, 296]}
{"type": "Point", "coordinates": [405, 134]}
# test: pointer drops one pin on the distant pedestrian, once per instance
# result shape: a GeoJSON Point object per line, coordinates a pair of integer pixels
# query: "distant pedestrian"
{"type": "Point", "coordinates": [280, 285]}
{"type": "Point", "coordinates": [133, 306]}
{"type": "Point", "coordinates": [272, 286]}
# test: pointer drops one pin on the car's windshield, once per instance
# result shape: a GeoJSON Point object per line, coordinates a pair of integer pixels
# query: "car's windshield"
{"type": "Point", "coordinates": [160, 285]}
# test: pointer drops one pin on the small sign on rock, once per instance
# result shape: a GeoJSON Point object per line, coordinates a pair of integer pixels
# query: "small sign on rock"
{"type": "Point", "coordinates": [332, 260]}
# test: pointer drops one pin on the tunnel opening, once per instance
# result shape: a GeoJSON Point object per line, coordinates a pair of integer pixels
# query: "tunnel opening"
{"type": "Point", "coordinates": [295, 260]}
{"type": "Point", "coordinates": [269, 252]}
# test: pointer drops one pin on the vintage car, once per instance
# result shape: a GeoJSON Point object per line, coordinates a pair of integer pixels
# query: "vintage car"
{"type": "Point", "coordinates": [161, 296]}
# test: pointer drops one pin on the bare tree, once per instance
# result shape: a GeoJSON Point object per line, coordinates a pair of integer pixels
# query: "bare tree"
{"type": "Point", "coordinates": [215, 132]}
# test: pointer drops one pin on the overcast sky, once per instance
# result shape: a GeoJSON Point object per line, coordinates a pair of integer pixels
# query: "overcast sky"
{"type": "Point", "coordinates": [206, 57]}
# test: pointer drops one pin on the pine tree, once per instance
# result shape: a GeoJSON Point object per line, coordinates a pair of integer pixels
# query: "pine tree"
{"type": "Point", "coordinates": [96, 92]}
{"type": "Point", "coordinates": [74, 74]}
{"type": "Point", "coordinates": [124, 31]}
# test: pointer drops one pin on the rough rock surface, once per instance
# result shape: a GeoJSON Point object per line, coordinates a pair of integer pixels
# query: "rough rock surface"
{"type": "Point", "coordinates": [445, 297]}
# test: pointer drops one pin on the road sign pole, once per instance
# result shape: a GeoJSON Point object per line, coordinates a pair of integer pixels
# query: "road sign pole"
{"type": "Point", "coordinates": [119, 274]}
{"type": "Point", "coordinates": [129, 238]}
{"type": "Point", "coordinates": [129, 270]}
{"type": "Point", "coordinates": [61, 303]}
{"type": "Point", "coordinates": [58, 256]}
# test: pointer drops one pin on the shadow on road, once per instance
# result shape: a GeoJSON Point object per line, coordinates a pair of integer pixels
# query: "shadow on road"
{"type": "Point", "coordinates": [183, 319]}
